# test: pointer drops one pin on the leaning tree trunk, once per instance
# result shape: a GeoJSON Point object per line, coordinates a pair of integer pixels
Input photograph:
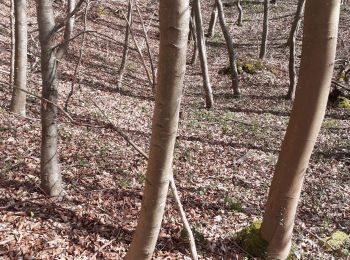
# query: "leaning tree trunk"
{"type": "Point", "coordinates": [265, 29]}
{"type": "Point", "coordinates": [194, 37]}
{"type": "Point", "coordinates": [18, 101]}
{"type": "Point", "coordinates": [174, 19]}
{"type": "Point", "coordinates": [230, 49]}
{"type": "Point", "coordinates": [126, 46]}
{"type": "Point", "coordinates": [51, 179]}
{"type": "Point", "coordinates": [317, 62]}
{"type": "Point", "coordinates": [209, 100]}
{"type": "Point", "coordinates": [212, 22]}
{"type": "Point", "coordinates": [292, 47]}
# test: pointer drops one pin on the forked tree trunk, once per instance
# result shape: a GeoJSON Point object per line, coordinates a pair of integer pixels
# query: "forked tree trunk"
{"type": "Point", "coordinates": [292, 47]}
{"type": "Point", "coordinates": [209, 100]}
{"type": "Point", "coordinates": [265, 29]}
{"type": "Point", "coordinates": [317, 62]}
{"type": "Point", "coordinates": [18, 101]}
{"type": "Point", "coordinates": [212, 22]}
{"type": "Point", "coordinates": [174, 19]}
{"type": "Point", "coordinates": [240, 13]}
{"type": "Point", "coordinates": [230, 49]}
{"type": "Point", "coordinates": [51, 179]}
{"type": "Point", "coordinates": [126, 46]}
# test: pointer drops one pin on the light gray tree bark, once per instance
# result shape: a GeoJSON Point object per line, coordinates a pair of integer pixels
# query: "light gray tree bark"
{"type": "Point", "coordinates": [18, 101]}
{"type": "Point", "coordinates": [208, 93]}
{"type": "Point", "coordinates": [230, 49]}
{"type": "Point", "coordinates": [174, 20]}
{"type": "Point", "coordinates": [51, 179]}
{"type": "Point", "coordinates": [126, 45]}
{"type": "Point", "coordinates": [265, 30]}
{"type": "Point", "coordinates": [212, 22]}
{"type": "Point", "coordinates": [318, 53]}
{"type": "Point", "coordinates": [292, 49]}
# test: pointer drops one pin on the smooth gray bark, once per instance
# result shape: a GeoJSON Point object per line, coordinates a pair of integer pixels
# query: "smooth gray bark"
{"type": "Point", "coordinates": [18, 101]}
{"type": "Point", "coordinates": [292, 50]}
{"type": "Point", "coordinates": [126, 46]}
{"type": "Point", "coordinates": [173, 19]}
{"type": "Point", "coordinates": [230, 49]}
{"type": "Point", "coordinates": [209, 99]}
{"type": "Point", "coordinates": [265, 30]}
{"type": "Point", "coordinates": [212, 22]}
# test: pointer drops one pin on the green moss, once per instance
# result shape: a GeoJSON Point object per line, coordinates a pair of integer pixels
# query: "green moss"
{"type": "Point", "coordinates": [343, 102]}
{"type": "Point", "coordinates": [250, 240]}
{"type": "Point", "coordinates": [233, 204]}
{"type": "Point", "coordinates": [249, 68]}
{"type": "Point", "coordinates": [336, 241]}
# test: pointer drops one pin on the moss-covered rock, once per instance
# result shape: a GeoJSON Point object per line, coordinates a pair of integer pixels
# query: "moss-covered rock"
{"type": "Point", "coordinates": [250, 240]}
{"type": "Point", "coordinates": [336, 242]}
{"type": "Point", "coordinates": [343, 102]}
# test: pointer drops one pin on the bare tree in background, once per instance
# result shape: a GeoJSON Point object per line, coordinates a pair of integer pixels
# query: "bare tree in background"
{"type": "Point", "coordinates": [209, 99]}
{"type": "Point", "coordinates": [51, 179]}
{"type": "Point", "coordinates": [126, 45]}
{"type": "Point", "coordinates": [230, 49]}
{"type": "Point", "coordinates": [18, 100]}
{"type": "Point", "coordinates": [317, 62]}
{"type": "Point", "coordinates": [240, 13]}
{"type": "Point", "coordinates": [265, 30]}
{"type": "Point", "coordinates": [292, 47]}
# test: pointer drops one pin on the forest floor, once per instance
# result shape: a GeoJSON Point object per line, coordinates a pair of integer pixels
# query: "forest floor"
{"type": "Point", "coordinates": [224, 157]}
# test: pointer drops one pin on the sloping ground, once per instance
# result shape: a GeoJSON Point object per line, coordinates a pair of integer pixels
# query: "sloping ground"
{"type": "Point", "coordinates": [224, 158]}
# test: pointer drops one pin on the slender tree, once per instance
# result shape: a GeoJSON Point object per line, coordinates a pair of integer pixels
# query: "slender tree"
{"type": "Point", "coordinates": [292, 47]}
{"type": "Point", "coordinates": [212, 22]}
{"type": "Point", "coordinates": [317, 62]}
{"type": "Point", "coordinates": [12, 25]}
{"type": "Point", "coordinates": [126, 45]}
{"type": "Point", "coordinates": [209, 100]}
{"type": "Point", "coordinates": [230, 49]}
{"type": "Point", "coordinates": [51, 179]}
{"type": "Point", "coordinates": [265, 30]}
{"type": "Point", "coordinates": [240, 13]}
{"type": "Point", "coordinates": [18, 101]}
{"type": "Point", "coordinates": [174, 20]}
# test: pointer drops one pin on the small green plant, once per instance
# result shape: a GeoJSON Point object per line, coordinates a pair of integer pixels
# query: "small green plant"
{"type": "Point", "coordinates": [201, 191]}
{"type": "Point", "coordinates": [330, 124]}
{"type": "Point", "coordinates": [233, 204]}
{"type": "Point", "coordinates": [125, 183]}
{"type": "Point", "coordinates": [249, 68]}
{"type": "Point", "coordinates": [336, 242]}
{"type": "Point", "coordinates": [343, 102]}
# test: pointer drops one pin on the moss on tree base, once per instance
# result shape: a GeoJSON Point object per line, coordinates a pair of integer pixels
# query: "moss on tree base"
{"type": "Point", "coordinates": [250, 240]}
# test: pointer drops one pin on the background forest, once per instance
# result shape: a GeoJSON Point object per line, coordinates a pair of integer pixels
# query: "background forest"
{"type": "Point", "coordinates": [224, 157]}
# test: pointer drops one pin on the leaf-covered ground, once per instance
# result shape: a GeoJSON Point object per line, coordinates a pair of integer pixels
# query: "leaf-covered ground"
{"type": "Point", "coordinates": [224, 157]}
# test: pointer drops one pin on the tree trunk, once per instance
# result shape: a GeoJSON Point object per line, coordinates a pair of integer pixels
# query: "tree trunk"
{"type": "Point", "coordinates": [292, 47]}
{"type": "Point", "coordinates": [209, 100]}
{"type": "Point", "coordinates": [12, 24]}
{"type": "Point", "coordinates": [126, 46]}
{"type": "Point", "coordinates": [240, 13]}
{"type": "Point", "coordinates": [230, 49]}
{"type": "Point", "coordinates": [296, 21]}
{"type": "Point", "coordinates": [174, 19]}
{"type": "Point", "coordinates": [194, 37]}
{"type": "Point", "coordinates": [51, 179]}
{"type": "Point", "coordinates": [212, 22]}
{"type": "Point", "coordinates": [18, 101]}
{"type": "Point", "coordinates": [317, 62]}
{"type": "Point", "coordinates": [265, 30]}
